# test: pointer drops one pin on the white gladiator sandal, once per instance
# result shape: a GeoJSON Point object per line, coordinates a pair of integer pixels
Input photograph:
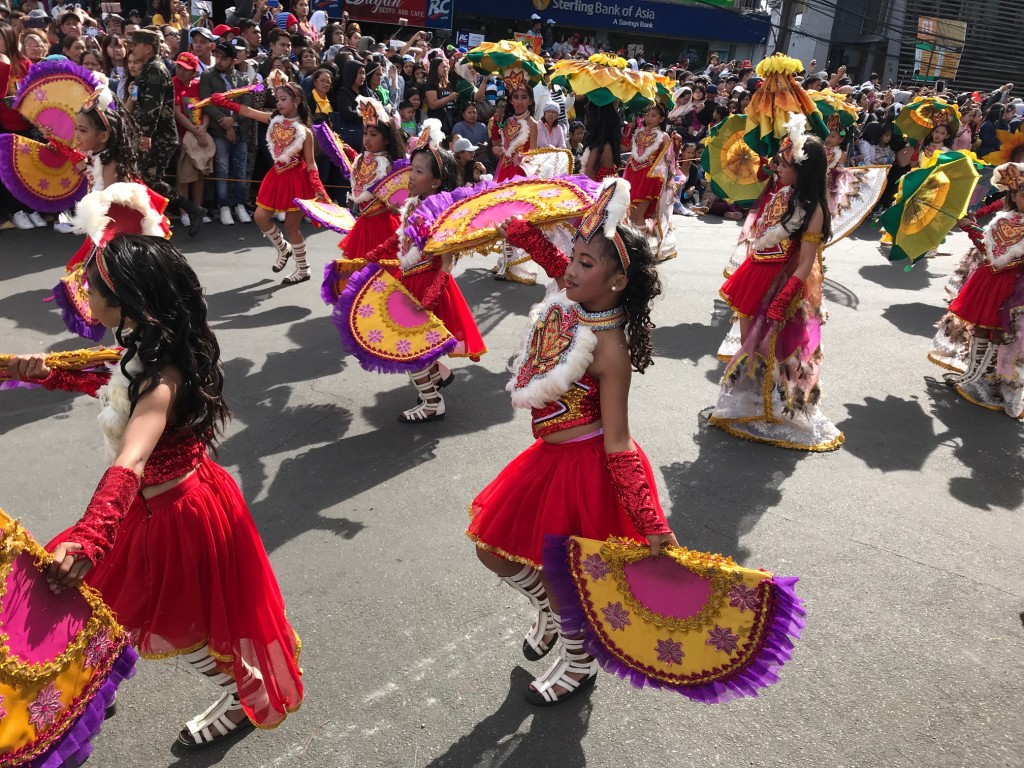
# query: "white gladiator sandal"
{"type": "Point", "coordinates": [572, 660]}
{"type": "Point", "coordinates": [213, 725]}
{"type": "Point", "coordinates": [979, 358]}
{"type": "Point", "coordinates": [430, 406]}
{"type": "Point", "coordinates": [528, 583]}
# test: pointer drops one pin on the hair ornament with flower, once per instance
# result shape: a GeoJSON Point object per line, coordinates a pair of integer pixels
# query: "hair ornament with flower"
{"type": "Point", "coordinates": [1008, 177]}
{"type": "Point", "coordinates": [431, 136]}
{"type": "Point", "coordinates": [515, 78]}
{"type": "Point", "coordinates": [371, 111]}
{"type": "Point", "coordinates": [99, 101]}
{"type": "Point", "coordinates": [605, 216]}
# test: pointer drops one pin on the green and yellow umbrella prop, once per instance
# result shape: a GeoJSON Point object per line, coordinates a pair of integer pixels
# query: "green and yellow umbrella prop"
{"type": "Point", "coordinates": [506, 56]}
{"type": "Point", "coordinates": [929, 202]}
{"type": "Point", "coordinates": [836, 111]}
{"type": "Point", "coordinates": [778, 96]}
{"type": "Point", "coordinates": [606, 79]}
{"type": "Point", "coordinates": [919, 117]}
{"type": "Point", "coordinates": [730, 164]}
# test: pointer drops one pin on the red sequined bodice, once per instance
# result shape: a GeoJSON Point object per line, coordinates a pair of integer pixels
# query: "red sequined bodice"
{"type": "Point", "coordinates": [177, 453]}
{"type": "Point", "coordinates": [579, 406]}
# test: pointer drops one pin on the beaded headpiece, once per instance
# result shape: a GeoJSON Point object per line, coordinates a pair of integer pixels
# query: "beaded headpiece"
{"type": "Point", "coordinates": [98, 102]}
{"type": "Point", "coordinates": [606, 214]}
{"type": "Point", "coordinates": [371, 110]}
{"type": "Point", "coordinates": [431, 136]}
{"type": "Point", "coordinates": [514, 78]}
{"type": "Point", "coordinates": [1008, 177]}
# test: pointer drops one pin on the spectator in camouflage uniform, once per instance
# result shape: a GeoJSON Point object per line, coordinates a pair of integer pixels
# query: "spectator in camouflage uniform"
{"type": "Point", "coordinates": [154, 112]}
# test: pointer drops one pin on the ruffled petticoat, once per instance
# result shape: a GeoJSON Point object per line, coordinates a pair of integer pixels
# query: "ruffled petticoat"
{"type": "Point", "coordinates": [552, 488]}
{"type": "Point", "coordinates": [188, 569]}
{"type": "Point", "coordinates": [770, 390]}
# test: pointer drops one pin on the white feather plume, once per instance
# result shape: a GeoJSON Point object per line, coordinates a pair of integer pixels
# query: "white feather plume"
{"type": "Point", "coordinates": [378, 108]}
{"type": "Point", "coordinates": [90, 216]}
{"type": "Point", "coordinates": [618, 206]}
{"type": "Point", "coordinates": [796, 126]}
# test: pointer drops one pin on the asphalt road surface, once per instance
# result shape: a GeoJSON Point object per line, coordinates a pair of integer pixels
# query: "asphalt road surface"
{"type": "Point", "coordinates": [908, 540]}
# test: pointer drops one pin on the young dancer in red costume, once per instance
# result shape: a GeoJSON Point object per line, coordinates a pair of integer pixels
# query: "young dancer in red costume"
{"type": "Point", "coordinates": [584, 475]}
{"type": "Point", "coordinates": [382, 146]}
{"type": "Point", "coordinates": [293, 176]}
{"type": "Point", "coordinates": [429, 278]}
{"type": "Point", "coordinates": [167, 538]}
{"type": "Point", "coordinates": [646, 170]}
{"type": "Point", "coordinates": [518, 134]}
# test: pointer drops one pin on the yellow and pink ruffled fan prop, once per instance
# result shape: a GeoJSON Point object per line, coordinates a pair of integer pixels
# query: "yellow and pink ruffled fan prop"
{"type": "Point", "coordinates": [40, 175]}
{"type": "Point", "coordinates": [466, 219]}
{"type": "Point", "coordinates": [691, 622]}
{"type": "Point", "coordinates": [328, 215]}
{"type": "Point", "coordinates": [383, 326]}
{"type": "Point", "coordinates": [393, 189]}
{"type": "Point", "coordinates": [337, 151]}
{"type": "Point", "coordinates": [63, 658]}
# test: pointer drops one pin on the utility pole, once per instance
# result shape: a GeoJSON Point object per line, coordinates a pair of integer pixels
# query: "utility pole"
{"type": "Point", "coordinates": [785, 23]}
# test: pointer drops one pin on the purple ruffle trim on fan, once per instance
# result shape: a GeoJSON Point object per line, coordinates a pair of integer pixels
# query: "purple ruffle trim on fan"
{"type": "Point", "coordinates": [18, 384]}
{"type": "Point", "coordinates": [327, 286]}
{"type": "Point", "coordinates": [17, 187]}
{"type": "Point", "coordinates": [50, 66]}
{"type": "Point", "coordinates": [432, 206]}
{"type": "Point", "coordinates": [399, 164]}
{"type": "Point", "coordinates": [325, 137]}
{"type": "Point", "coordinates": [367, 361]}
{"type": "Point", "coordinates": [787, 621]}
{"type": "Point", "coordinates": [73, 321]}
{"type": "Point", "coordinates": [75, 746]}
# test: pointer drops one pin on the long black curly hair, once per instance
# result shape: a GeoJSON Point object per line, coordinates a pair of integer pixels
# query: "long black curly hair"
{"type": "Point", "coordinates": [158, 291]}
{"type": "Point", "coordinates": [123, 145]}
{"type": "Point", "coordinates": [810, 189]}
{"type": "Point", "coordinates": [641, 289]}
{"type": "Point", "coordinates": [604, 127]}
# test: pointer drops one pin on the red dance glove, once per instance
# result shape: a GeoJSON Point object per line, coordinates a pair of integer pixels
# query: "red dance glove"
{"type": "Point", "coordinates": [779, 309]}
{"type": "Point", "coordinates": [977, 236]}
{"type": "Point", "coordinates": [524, 235]}
{"type": "Point", "coordinates": [436, 290]}
{"type": "Point", "coordinates": [223, 102]}
{"type": "Point", "coordinates": [66, 151]}
{"type": "Point", "coordinates": [86, 382]}
{"type": "Point", "coordinates": [318, 186]}
{"type": "Point", "coordinates": [634, 493]}
{"type": "Point", "coordinates": [98, 527]}
{"type": "Point", "coordinates": [386, 250]}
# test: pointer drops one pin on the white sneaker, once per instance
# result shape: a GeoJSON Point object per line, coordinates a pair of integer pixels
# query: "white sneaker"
{"type": "Point", "coordinates": [22, 221]}
{"type": "Point", "coordinates": [186, 220]}
{"type": "Point", "coordinates": [36, 219]}
{"type": "Point", "coordinates": [225, 216]}
{"type": "Point", "coordinates": [63, 227]}
{"type": "Point", "coordinates": [242, 215]}
{"type": "Point", "coordinates": [206, 218]}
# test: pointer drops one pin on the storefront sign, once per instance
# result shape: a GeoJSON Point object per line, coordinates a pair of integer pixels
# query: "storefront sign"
{"type": "Point", "coordinates": [694, 22]}
{"type": "Point", "coordinates": [533, 42]}
{"type": "Point", "coordinates": [469, 39]}
{"type": "Point", "coordinates": [432, 14]}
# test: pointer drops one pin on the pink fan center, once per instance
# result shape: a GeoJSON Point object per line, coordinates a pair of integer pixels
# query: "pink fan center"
{"type": "Point", "coordinates": [38, 623]}
{"type": "Point", "coordinates": [402, 311]}
{"type": "Point", "coordinates": [498, 213]}
{"type": "Point", "coordinates": [665, 587]}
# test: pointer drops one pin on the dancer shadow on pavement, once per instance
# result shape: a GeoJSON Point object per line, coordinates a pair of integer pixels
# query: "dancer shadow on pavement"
{"type": "Point", "coordinates": [493, 300]}
{"type": "Point", "coordinates": [554, 739]}
{"type": "Point", "coordinates": [894, 275]}
{"type": "Point", "coordinates": [916, 318]}
{"type": "Point", "coordinates": [720, 497]}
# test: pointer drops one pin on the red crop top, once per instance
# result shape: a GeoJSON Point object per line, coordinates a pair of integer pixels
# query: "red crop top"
{"type": "Point", "coordinates": [579, 406]}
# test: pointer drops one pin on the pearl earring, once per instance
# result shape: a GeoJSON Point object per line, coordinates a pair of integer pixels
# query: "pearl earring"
{"type": "Point", "coordinates": [614, 288]}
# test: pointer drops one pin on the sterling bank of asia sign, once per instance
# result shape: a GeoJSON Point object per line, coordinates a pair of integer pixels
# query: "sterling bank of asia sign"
{"type": "Point", "coordinates": [707, 20]}
{"type": "Point", "coordinates": [629, 15]}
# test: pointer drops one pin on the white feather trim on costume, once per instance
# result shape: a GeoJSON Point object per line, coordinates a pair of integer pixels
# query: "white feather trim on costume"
{"type": "Point", "coordinates": [288, 153]}
{"type": "Point", "coordinates": [408, 253]}
{"type": "Point", "coordinates": [382, 166]}
{"type": "Point", "coordinates": [90, 217]}
{"type": "Point", "coordinates": [999, 253]}
{"type": "Point", "coordinates": [521, 138]}
{"type": "Point", "coordinates": [432, 129]}
{"type": "Point", "coordinates": [548, 387]}
{"type": "Point", "coordinates": [116, 407]}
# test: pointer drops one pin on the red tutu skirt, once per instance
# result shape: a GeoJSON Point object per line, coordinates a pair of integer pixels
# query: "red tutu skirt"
{"type": "Point", "coordinates": [551, 488]}
{"type": "Point", "coordinates": [508, 170]}
{"type": "Point", "coordinates": [188, 569]}
{"type": "Point", "coordinates": [643, 187]}
{"type": "Point", "coordinates": [746, 287]}
{"type": "Point", "coordinates": [452, 310]}
{"type": "Point", "coordinates": [371, 230]}
{"type": "Point", "coordinates": [982, 296]}
{"type": "Point", "coordinates": [281, 186]}
{"type": "Point", "coordinates": [604, 173]}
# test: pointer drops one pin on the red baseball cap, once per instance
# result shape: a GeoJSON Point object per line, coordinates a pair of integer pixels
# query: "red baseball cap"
{"type": "Point", "coordinates": [188, 60]}
{"type": "Point", "coordinates": [223, 29]}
